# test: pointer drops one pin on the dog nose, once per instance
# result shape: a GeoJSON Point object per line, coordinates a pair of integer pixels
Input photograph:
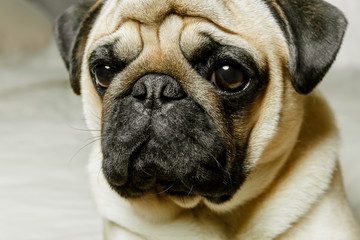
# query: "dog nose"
{"type": "Point", "coordinates": [157, 88]}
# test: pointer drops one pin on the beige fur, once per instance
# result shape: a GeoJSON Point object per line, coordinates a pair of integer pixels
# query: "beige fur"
{"type": "Point", "coordinates": [294, 190]}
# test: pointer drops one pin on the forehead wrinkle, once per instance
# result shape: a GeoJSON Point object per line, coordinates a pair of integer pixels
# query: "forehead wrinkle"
{"type": "Point", "coordinates": [103, 26]}
{"type": "Point", "coordinates": [153, 12]}
{"type": "Point", "coordinates": [126, 47]}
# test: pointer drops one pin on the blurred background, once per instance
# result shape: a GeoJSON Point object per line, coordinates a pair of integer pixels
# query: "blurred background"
{"type": "Point", "coordinates": [44, 144]}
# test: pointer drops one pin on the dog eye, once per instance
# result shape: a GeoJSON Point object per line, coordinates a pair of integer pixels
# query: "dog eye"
{"type": "Point", "coordinates": [229, 78]}
{"type": "Point", "coordinates": [103, 75]}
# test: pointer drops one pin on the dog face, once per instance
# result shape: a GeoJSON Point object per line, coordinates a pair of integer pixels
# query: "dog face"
{"type": "Point", "coordinates": [196, 99]}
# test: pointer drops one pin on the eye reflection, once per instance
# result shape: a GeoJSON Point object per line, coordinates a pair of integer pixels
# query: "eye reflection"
{"type": "Point", "coordinates": [103, 75]}
{"type": "Point", "coordinates": [228, 77]}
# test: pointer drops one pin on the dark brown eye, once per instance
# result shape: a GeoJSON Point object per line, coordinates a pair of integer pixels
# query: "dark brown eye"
{"type": "Point", "coordinates": [229, 78]}
{"type": "Point", "coordinates": [103, 75]}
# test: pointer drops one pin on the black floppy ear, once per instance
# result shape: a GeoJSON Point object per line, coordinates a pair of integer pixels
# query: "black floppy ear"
{"type": "Point", "coordinates": [315, 31]}
{"type": "Point", "coordinates": [71, 31]}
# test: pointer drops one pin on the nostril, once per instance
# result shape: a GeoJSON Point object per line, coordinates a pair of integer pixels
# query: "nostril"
{"type": "Point", "coordinates": [157, 87]}
{"type": "Point", "coordinates": [173, 91]}
{"type": "Point", "coordinates": [139, 91]}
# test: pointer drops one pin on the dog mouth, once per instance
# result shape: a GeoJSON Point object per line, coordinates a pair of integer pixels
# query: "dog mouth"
{"type": "Point", "coordinates": [150, 171]}
{"type": "Point", "coordinates": [152, 185]}
{"type": "Point", "coordinates": [174, 190]}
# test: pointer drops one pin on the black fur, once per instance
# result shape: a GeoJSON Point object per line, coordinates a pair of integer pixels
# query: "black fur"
{"type": "Point", "coordinates": [314, 30]}
{"type": "Point", "coordinates": [158, 138]}
{"type": "Point", "coordinates": [71, 31]}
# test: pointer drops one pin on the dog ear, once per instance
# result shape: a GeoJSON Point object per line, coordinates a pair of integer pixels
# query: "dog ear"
{"type": "Point", "coordinates": [315, 30]}
{"type": "Point", "coordinates": [71, 30]}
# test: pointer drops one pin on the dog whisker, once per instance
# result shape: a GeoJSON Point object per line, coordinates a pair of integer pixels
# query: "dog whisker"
{"type": "Point", "coordinates": [189, 193]}
{"type": "Point", "coordinates": [167, 189]}
{"type": "Point", "coordinates": [95, 139]}
{"type": "Point", "coordinates": [85, 129]}
{"type": "Point", "coordinates": [146, 172]}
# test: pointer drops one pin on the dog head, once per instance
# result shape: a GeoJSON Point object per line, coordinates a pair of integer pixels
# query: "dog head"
{"type": "Point", "coordinates": [194, 98]}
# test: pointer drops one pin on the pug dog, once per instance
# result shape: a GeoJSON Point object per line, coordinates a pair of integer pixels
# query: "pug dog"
{"type": "Point", "coordinates": [209, 124]}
